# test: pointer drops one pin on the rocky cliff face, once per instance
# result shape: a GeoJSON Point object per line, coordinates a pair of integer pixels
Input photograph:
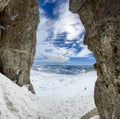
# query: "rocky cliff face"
{"type": "Point", "coordinates": [18, 25]}
{"type": "Point", "coordinates": [101, 19]}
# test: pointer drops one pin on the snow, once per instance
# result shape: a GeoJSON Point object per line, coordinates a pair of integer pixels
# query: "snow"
{"type": "Point", "coordinates": [71, 95]}
{"type": "Point", "coordinates": [57, 97]}
{"type": "Point", "coordinates": [95, 117]}
{"type": "Point", "coordinates": [63, 85]}
{"type": "Point", "coordinates": [16, 102]}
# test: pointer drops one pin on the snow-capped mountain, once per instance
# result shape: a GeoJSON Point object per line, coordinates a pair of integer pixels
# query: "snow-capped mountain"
{"type": "Point", "coordinates": [63, 69]}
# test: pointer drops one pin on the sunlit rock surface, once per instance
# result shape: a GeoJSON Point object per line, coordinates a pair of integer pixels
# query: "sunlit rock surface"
{"type": "Point", "coordinates": [101, 19]}
{"type": "Point", "coordinates": [18, 25]}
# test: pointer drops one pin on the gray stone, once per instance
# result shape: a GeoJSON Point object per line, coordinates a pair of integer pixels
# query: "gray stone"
{"type": "Point", "coordinates": [18, 39]}
{"type": "Point", "coordinates": [101, 19]}
{"type": "Point", "coordinates": [75, 5]}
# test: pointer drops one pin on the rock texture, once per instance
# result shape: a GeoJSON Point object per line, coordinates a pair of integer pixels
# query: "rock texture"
{"type": "Point", "coordinates": [101, 19]}
{"type": "Point", "coordinates": [3, 4]}
{"type": "Point", "coordinates": [18, 25]}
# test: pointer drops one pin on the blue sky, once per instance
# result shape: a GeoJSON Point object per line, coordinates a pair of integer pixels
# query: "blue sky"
{"type": "Point", "coordinates": [60, 35]}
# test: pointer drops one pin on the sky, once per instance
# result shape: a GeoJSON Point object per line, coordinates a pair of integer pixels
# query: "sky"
{"type": "Point", "coordinates": [60, 36]}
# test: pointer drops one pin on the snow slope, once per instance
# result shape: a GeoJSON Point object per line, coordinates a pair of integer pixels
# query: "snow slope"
{"type": "Point", "coordinates": [16, 102]}
{"type": "Point", "coordinates": [57, 98]}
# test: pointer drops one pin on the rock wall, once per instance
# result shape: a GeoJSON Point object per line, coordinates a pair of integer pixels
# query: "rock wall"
{"type": "Point", "coordinates": [3, 4]}
{"type": "Point", "coordinates": [101, 19]}
{"type": "Point", "coordinates": [18, 25]}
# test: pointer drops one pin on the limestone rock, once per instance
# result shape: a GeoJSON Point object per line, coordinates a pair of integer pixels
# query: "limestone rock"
{"type": "Point", "coordinates": [18, 21]}
{"type": "Point", "coordinates": [101, 19]}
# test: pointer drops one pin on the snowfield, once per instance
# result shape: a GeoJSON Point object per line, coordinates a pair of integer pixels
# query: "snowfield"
{"type": "Point", "coordinates": [16, 102]}
{"type": "Point", "coordinates": [57, 97]}
{"type": "Point", "coordinates": [47, 84]}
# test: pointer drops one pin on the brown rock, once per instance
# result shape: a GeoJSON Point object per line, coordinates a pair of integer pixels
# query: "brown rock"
{"type": "Point", "coordinates": [3, 4]}
{"type": "Point", "coordinates": [30, 88]}
{"type": "Point", "coordinates": [101, 19]}
{"type": "Point", "coordinates": [18, 21]}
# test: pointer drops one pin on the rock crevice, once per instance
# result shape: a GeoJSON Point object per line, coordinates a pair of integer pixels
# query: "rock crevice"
{"type": "Point", "coordinates": [101, 19]}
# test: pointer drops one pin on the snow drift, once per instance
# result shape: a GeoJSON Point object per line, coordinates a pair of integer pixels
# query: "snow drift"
{"type": "Point", "coordinates": [16, 102]}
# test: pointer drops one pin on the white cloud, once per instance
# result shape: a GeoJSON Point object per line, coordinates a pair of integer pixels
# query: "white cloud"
{"type": "Point", "coordinates": [56, 54]}
{"type": "Point", "coordinates": [51, 29]}
{"type": "Point", "coordinates": [49, 1]}
{"type": "Point", "coordinates": [67, 22]}
{"type": "Point", "coordinates": [44, 28]}
{"type": "Point", "coordinates": [84, 52]}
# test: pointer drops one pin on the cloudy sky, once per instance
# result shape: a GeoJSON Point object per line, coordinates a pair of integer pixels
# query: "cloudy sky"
{"type": "Point", "coordinates": [60, 35]}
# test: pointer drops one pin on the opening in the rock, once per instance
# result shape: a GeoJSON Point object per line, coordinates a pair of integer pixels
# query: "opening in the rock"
{"type": "Point", "coordinates": [62, 73]}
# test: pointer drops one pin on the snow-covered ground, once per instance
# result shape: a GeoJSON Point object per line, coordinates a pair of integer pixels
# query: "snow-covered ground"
{"type": "Point", "coordinates": [69, 96]}
{"type": "Point", "coordinates": [57, 97]}
{"type": "Point", "coordinates": [47, 84]}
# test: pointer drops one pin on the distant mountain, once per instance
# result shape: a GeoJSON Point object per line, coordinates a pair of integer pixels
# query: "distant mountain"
{"type": "Point", "coordinates": [63, 69]}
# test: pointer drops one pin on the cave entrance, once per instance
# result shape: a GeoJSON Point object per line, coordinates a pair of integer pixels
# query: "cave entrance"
{"type": "Point", "coordinates": [62, 70]}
